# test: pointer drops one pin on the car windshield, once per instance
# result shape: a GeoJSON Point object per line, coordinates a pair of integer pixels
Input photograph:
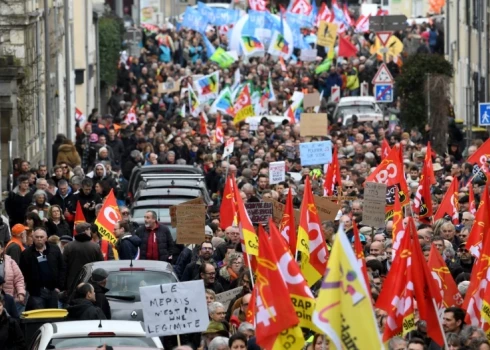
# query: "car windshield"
{"type": "Point", "coordinates": [94, 342]}
{"type": "Point", "coordinates": [356, 109]}
{"type": "Point", "coordinates": [139, 213]}
{"type": "Point", "coordinates": [126, 284]}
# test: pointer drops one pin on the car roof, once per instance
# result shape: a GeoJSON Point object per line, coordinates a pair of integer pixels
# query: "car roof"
{"type": "Point", "coordinates": [115, 265]}
{"type": "Point", "coordinates": [168, 169]}
{"type": "Point", "coordinates": [358, 99]}
{"type": "Point", "coordinates": [83, 328]}
{"type": "Point", "coordinates": [169, 191]}
{"type": "Point", "coordinates": [159, 182]}
{"type": "Point", "coordinates": [149, 203]}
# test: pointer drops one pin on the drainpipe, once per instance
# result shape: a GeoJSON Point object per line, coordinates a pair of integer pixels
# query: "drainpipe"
{"type": "Point", "coordinates": [68, 71]}
{"type": "Point", "coordinates": [97, 60]}
{"type": "Point", "coordinates": [87, 64]}
{"type": "Point", "coordinates": [47, 75]}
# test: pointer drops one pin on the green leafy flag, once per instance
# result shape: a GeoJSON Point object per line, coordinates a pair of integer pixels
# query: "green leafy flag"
{"type": "Point", "coordinates": [325, 66]}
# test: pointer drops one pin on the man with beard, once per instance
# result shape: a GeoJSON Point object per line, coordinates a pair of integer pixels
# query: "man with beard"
{"type": "Point", "coordinates": [207, 272]}
{"type": "Point", "coordinates": [205, 254]}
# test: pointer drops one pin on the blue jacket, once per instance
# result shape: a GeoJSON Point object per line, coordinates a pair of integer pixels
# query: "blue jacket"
{"type": "Point", "coordinates": [332, 80]}
{"type": "Point", "coordinates": [128, 247]}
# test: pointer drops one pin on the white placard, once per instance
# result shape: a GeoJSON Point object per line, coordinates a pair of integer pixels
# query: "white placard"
{"type": "Point", "coordinates": [253, 123]}
{"type": "Point", "coordinates": [229, 147]}
{"type": "Point", "coordinates": [277, 172]}
{"type": "Point", "coordinates": [225, 298]}
{"type": "Point", "coordinates": [174, 308]}
{"type": "Point", "coordinates": [308, 55]}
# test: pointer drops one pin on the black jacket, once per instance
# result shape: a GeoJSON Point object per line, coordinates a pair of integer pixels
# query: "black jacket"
{"type": "Point", "coordinates": [117, 149]}
{"type": "Point", "coordinates": [84, 310]}
{"type": "Point", "coordinates": [62, 229]}
{"type": "Point", "coordinates": [164, 240]}
{"type": "Point", "coordinates": [11, 336]}
{"type": "Point", "coordinates": [64, 203]}
{"type": "Point", "coordinates": [30, 269]}
{"type": "Point", "coordinates": [127, 247]}
{"type": "Point", "coordinates": [78, 253]}
{"type": "Point", "coordinates": [83, 198]}
{"type": "Point", "coordinates": [16, 207]}
{"type": "Point", "coordinates": [101, 300]}
{"type": "Point", "coordinates": [191, 271]}
{"type": "Point", "coordinates": [128, 167]}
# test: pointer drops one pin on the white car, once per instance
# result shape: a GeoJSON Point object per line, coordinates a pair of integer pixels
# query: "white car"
{"type": "Point", "coordinates": [88, 335]}
{"type": "Point", "coordinates": [364, 107]}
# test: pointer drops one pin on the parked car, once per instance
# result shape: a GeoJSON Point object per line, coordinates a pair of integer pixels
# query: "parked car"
{"type": "Point", "coordinates": [154, 171]}
{"type": "Point", "coordinates": [364, 107]}
{"type": "Point", "coordinates": [88, 335]}
{"type": "Point", "coordinates": [125, 278]}
{"type": "Point", "coordinates": [182, 181]}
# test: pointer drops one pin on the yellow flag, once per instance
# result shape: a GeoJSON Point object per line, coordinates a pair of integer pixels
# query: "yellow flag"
{"type": "Point", "coordinates": [343, 298]}
{"type": "Point", "coordinates": [291, 339]}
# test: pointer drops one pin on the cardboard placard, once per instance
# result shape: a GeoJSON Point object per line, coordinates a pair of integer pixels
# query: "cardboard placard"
{"type": "Point", "coordinates": [277, 172]}
{"type": "Point", "coordinates": [315, 153]}
{"type": "Point", "coordinates": [173, 209]}
{"type": "Point", "coordinates": [278, 212]}
{"type": "Point", "coordinates": [190, 223]}
{"type": "Point", "coordinates": [225, 298]}
{"type": "Point", "coordinates": [312, 100]}
{"type": "Point", "coordinates": [259, 212]}
{"type": "Point", "coordinates": [174, 308]}
{"type": "Point", "coordinates": [327, 210]}
{"type": "Point", "coordinates": [374, 191]}
{"type": "Point", "coordinates": [313, 124]}
{"type": "Point", "coordinates": [373, 209]}
{"type": "Point", "coordinates": [168, 87]}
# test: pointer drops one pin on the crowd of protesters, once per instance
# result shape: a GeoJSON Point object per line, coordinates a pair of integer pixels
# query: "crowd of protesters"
{"type": "Point", "coordinates": [42, 205]}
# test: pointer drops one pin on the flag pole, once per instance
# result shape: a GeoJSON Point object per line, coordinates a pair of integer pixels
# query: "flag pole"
{"type": "Point", "coordinates": [440, 325]}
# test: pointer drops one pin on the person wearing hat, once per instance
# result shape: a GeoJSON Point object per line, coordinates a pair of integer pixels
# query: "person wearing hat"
{"type": "Point", "coordinates": [99, 281]}
{"type": "Point", "coordinates": [44, 272]}
{"type": "Point", "coordinates": [205, 255]}
{"type": "Point", "coordinates": [80, 252]}
{"type": "Point", "coordinates": [64, 240]}
{"type": "Point", "coordinates": [17, 243]}
{"type": "Point", "coordinates": [215, 329]}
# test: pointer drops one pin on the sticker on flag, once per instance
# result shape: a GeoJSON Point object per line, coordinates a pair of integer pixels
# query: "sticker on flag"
{"type": "Point", "coordinates": [277, 172]}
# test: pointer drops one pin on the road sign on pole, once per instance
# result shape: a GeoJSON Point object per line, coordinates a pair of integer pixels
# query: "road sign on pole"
{"type": "Point", "coordinates": [383, 76]}
{"type": "Point", "coordinates": [384, 36]}
{"type": "Point", "coordinates": [335, 94]}
{"type": "Point", "coordinates": [384, 93]}
{"type": "Point", "coordinates": [484, 114]}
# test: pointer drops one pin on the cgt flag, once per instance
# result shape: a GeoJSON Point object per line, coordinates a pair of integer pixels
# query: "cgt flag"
{"type": "Point", "coordinates": [79, 217]}
{"type": "Point", "coordinates": [449, 205]}
{"type": "Point", "coordinates": [248, 237]}
{"type": "Point", "coordinates": [288, 226]}
{"type": "Point", "coordinates": [480, 226]}
{"type": "Point", "coordinates": [342, 298]}
{"type": "Point", "coordinates": [332, 176]}
{"type": "Point", "coordinates": [108, 217]}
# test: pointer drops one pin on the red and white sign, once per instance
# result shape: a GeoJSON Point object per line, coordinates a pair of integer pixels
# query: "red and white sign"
{"type": "Point", "coordinates": [364, 88]}
{"type": "Point", "coordinates": [384, 37]}
{"type": "Point", "coordinates": [257, 5]}
{"type": "Point", "coordinates": [301, 7]}
{"type": "Point", "coordinates": [383, 76]}
{"type": "Point", "coordinates": [229, 147]}
{"type": "Point", "coordinates": [80, 117]}
{"type": "Point", "coordinates": [335, 94]}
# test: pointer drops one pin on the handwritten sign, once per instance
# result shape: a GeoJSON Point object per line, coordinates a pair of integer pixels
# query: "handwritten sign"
{"type": "Point", "coordinates": [190, 223]}
{"type": "Point", "coordinates": [314, 153]}
{"type": "Point", "coordinates": [225, 298]}
{"type": "Point", "coordinates": [174, 308]}
{"type": "Point", "coordinates": [311, 100]}
{"type": "Point", "coordinates": [173, 209]}
{"type": "Point", "coordinates": [277, 172]}
{"type": "Point", "coordinates": [327, 210]}
{"type": "Point", "coordinates": [313, 124]}
{"type": "Point", "coordinates": [278, 211]}
{"type": "Point", "coordinates": [373, 209]}
{"type": "Point", "coordinates": [308, 55]}
{"type": "Point", "coordinates": [259, 212]}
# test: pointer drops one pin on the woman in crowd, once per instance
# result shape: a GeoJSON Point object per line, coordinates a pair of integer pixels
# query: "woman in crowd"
{"type": "Point", "coordinates": [14, 280]}
{"type": "Point", "coordinates": [229, 272]}
{"type": "Point", "coordinates": [56, 223]}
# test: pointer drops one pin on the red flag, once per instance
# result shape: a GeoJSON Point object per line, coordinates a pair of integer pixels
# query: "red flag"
{"type": "Point", "coordinates": [362, 24]}
{"type": "Point", "coordinates": [257, 5]}
{"type": "Point", "coordinates": [442, 276]}
{"type": "Point", "coordinates": [480, 226]}
{"type": "Point", "coordinates": [480, 157]}
{"type": "Point", "coordinates": [248, 237]}
{"type": "Point", "coordinates": [346, 48]}
{"type": "Point", "coordinates": [332, 176]}
{"type": "Point", "coordinates": [397, 218]}
{"type": "Point", "coordinates": [301, 7]}
{"type": "Point", "coordinates": [359, 251]}
{"type": "Point", "coordinates": [324, 15]}
{"type": "Point", "coordinates": [449, 204]}
{"type": "Point", "coordinates": [227, 209]}
{"type": "Point", "coordinates": [79, 217]}
{"type": "Point", "coordinates": [108, 217]}
{"type": "Point", "coordinates": [428, 296]}
{"type": "Point", "coordinates": [274, 311]}
{"type": "Point", "coordinates": [203, 127]}
{"type": "Point", "coordinates": [290, 115]}
{"type": "Point", "coordinates": [347, 15]}
{"type": "Point", "coordinates": [390, 172]}
{"type": "Point", "coordinates": [422, 204]}
{"type": "Point", "coordinates": [131, 116]}
{"type": "Point", "coordinates": [385, 149]}
{"type": "Point", "coordinates": [472, 199]}
{"type": "Point", "coordinates": [219, 135]}
{"type": "Point", "coordinates": [287, 226]}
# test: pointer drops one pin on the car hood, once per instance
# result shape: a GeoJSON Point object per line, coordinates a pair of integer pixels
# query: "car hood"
{"type": "Point", "coordinates": [124, 310]}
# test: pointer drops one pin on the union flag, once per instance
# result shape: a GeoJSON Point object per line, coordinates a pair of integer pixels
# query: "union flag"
{"type": "Point", "coordinates": [449, 204]}
{"type": "Point", "coordinates": [480, 226]}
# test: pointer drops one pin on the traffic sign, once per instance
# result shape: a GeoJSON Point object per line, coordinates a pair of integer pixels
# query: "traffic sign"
{"type": "Point", "coordinates": [484, 114]}
{"type": "Point", "coordinates": [383, 92]}
{"type": "Point", "coordinates": [383, 37]}
{"type": "Point", "coordinates": [383, 76]}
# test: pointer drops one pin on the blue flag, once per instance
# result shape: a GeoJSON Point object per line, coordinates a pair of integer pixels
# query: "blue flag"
{"type": "Point", "coordinates": [210, 49]}
{"type": "Point", "coordinates": [194, 20]}
{"type": "Point", "coordinates": [222, 17]}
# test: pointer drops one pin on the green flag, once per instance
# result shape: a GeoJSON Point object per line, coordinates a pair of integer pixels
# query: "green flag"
{"type": "Point", "coordinates": [222, 58]}
{"type": "Point", "coordinates": [325, 66]}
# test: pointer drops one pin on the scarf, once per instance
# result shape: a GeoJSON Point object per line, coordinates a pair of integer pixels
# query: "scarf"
{"type": "Point", "coordinates": [233, 275]}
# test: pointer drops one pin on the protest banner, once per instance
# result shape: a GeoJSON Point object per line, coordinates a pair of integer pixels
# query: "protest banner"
{"type": "Point", "coordinates": [327, 210]}
{"type": "Point", "coordinates": [259, 212]}
{"type": "Point", "coordinates": [308, 55]}
{"type": "Point", "coordinates": [168, 87]}
{"type": "Point", "coordinates": [278, 211]}
{"type": "Point", "coordinates": [190, 223]}
{"type": "Point", "coordinates": [174, 308]}
{"type": "Point", "coordinates": [277, 172]}
{"type": "Point", "coordinates": [313, 124]}
{"type": "Point", "coordinates": [315, 153]}
{"type": "Point", "coordinates": [311, 100]}
{"type": "Point", "coordinates": [173, 209]}
{"type": "Point", "coordinates": [326, 34]}
{"type": "Point", "coordinates": [226, 297]}
{"type": "Point", "coordinates": [373, 209]}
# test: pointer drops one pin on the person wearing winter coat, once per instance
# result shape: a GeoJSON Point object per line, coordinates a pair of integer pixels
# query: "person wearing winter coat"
{"type": "Point", "coordinates": [12, 275]}
{"type": "Point", "coordinates": [88, 200]}
{"type": "Point", "coordinates": [67, 153]}
{"type": "Point", "coordinates": [56, 223]}
{"type": "Point", "coordinates": [156, 241]}
{"type": "Point", "coordinates": [127, 245]}
{"type": "Point", "coordinates": [11, 336]}
{"type": "Point", "coordinates": [83, 308]}
{"type": "Point", "coordinates": [99, 280]}
{"type": "Point", "coordinates": [18, 201]}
